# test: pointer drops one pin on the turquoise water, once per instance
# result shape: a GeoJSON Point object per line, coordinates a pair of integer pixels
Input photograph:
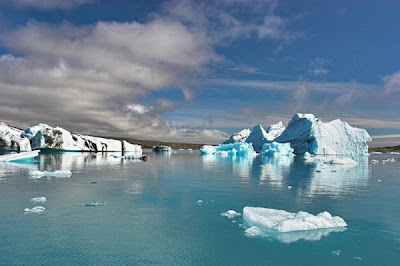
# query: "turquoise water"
{"type": "Point", "coordinates": [152, 215]}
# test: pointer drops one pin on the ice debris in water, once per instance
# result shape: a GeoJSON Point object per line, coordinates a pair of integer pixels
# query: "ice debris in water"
{"type": "Point", "coordinates": [358, 258]}
{"type": "Point", "coordinates": [374, 161]}
{"type": "Point", "coordinates": [275, 148]}
{"type": "Point", "coordinates": [329, 160]}
{"type": "Point", "coordinates": [200, 202]}
{"type": "Point", "coordinates": [289, 187]}
{"type": "Point", "coordinates": [39, 200]}
{"type": "Point", "coordinates": [95, 204]}
{"type": "Point", "coordinates": [283, 221]}
{"type": "Point", "coordinates": [239, 149]}
{"type": "Point", "coordinates": [336, 252]}
{"type": "Point", "coordinates": [379, 180]}
{"type": "Point", "coordinates": [230, 214]}
{"type": "Point", "coordinates": [390, 160]}
{"type": "Point", "coordinates": [37, 209]}
{"type": "Point", "coordinates": [58, 173]}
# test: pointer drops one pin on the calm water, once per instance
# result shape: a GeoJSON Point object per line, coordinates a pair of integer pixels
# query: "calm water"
{"type": "Point", "coordinates": [152, 215]}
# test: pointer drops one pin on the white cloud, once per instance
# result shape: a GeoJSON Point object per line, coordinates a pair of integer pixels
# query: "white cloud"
{"type": "Point", "coordinates": [392, 83]}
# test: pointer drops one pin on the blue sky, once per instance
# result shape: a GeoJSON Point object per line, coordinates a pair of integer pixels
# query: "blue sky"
{"type": "Point", "coordinates": [199, 70]}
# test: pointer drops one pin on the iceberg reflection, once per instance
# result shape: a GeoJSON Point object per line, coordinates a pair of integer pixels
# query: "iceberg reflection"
{"type": "Point", "coordinates": [274, 169]}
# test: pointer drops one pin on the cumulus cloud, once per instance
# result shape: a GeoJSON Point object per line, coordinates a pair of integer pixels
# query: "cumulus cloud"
{"type": "Point", "coordinates": [392, 83]}
{"type": "Point", "coordinates": [50, 4]}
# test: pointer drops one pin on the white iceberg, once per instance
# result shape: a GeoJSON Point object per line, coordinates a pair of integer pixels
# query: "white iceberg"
{"type": "Point", "coordinates": [43, 136]}
{"type": "Point", "coordinates": [259, 136]}
{"type": "Point", "coordinates": [37, 209]}
{"type": "Point", "coordinates": [306, 133]}
{"type": "Point", "coordinates": [39, 200]}
{"type": "Point", "coordinates": [11, 139]}
{"type": "Point", "coordinates": [58, 173]}
{"type": "Point", "coordinates": [13, 157]}
{"type": "Point", "coordinates": [239, 149]}
{"type": "Point", "coordinates": [275, 148]}
{"type": "Point", "coordinates": [283, 221]}
{"type": "Point", "coordinates": [240, 136]}
{"type": "Point", "coordinates": [231, 214]}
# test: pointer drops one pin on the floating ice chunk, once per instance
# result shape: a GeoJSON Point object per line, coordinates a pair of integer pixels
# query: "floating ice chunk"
{"type": "Point", "coordinates": [374, 161]}
{"type": "Point", "coordinates": [39, 200]}
{"type": "Point", "coordinates": [289, 187]}
{"type": "Point", "coordinates": [283, 221]}
{"type": "Point", "coordinates": [357, 258]}
{"type": "Point", "coordinates": [394, 152]}
{"type": "Point", "coordinates": [342, 161]}
{"type": "Point", "coordinates": [375, 152]}
{"type": "Point", "coordinates": [379, 180]}
{"type": "Point", "coordinates": [200, 202]}
{"type": "Point", "coordinates": [58, 173]}
{"type": "Point", "coordinates": [239, 149]}
{"type": "Point", "coordinates": [95, 204]}
{"type": "Point", "coordinates": [37, 209]}
{"type": "Point", "coordinates": [275, 148]}
{"type": "Point", "coordinates": [336, 252]}
{"type": "Point", "coordinates": [254, 231]}
{"type": "Point", "coordinates": [230, 214]}
{"type": "Point", "coordinates": [390, 160]}
{"type": "Point", "coordinates": [13, 157]}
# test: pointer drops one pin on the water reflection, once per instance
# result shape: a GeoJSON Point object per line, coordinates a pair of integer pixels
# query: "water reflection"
{"type": "Point", "coordinates": [274, 169]}
{"type": "Point", "coordinates": [336, 180]}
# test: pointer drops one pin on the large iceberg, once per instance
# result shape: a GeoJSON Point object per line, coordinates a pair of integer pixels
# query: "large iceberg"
{"type": "Point", "coordinates": [283, 221]}
{"type": "Point", "coordinates": [240, 149]}
{"type": "Point", "coordinates": [240, 136]}
{"type": "Point", "coordinates": [258, 136]}
{"type": "Point", "coordinates": [306, 133]}
{"type": "Point", "coordinates": [275, 148]}
{"type": "Point", "coordinates": [43, 136]}
{"type": "Point", "coordinates": [11, 139]}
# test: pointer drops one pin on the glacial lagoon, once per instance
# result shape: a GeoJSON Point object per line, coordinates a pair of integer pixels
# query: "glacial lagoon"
{"type": "Point", "coordinates": [168, 210]}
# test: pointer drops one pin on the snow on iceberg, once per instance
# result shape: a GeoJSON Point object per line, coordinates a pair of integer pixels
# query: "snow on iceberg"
{"type": "Point", "coordinates": [13, 157]}
{"type": "Point", "coordinates": [39, 200]}
{"type": "Point", "coordinates": [43, 136]}
{"type": "Point", "coordinates": [240, 136]}
{"type": "Point", "coordinates": [275, 148]}
{"type": "Point", "coordinates": [11, 139]}
{"type": "Point", "coordinates": [240, 149]}
{"type": "Point", "coordinates": [58, 173]}
{"type": "Point", "coordinates": [306, 133]}
{"type": "Point", "coordinates": [37, 209]}
{"type": "Point", "coordinates": [283, 221]}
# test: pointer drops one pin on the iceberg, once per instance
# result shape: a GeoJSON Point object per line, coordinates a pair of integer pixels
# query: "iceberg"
{"type": "Point", "coordinates": [13, 157]}
{"type": "Point", "coordinates": [239, 149]}
{"type": "Point", "coordinates": [240, 136]}
{"type": "Point", "coordinates": [230, 214]}
{"type": "Point", "coordinates": [283, 221]}
{"type": "Point", "coordinates": [37, 209]}
{"type": "Point", "coordinates": [162, 148]}
{"type": "Point", "coordinates": [306, 133]}
{"type": "Point", "coordinates": [275, 148]}
{"type": "Point", "coordinates": [11, 139]}
{"type": "Point", "coordinates": [39, 200]}
{"type": "Point", "coordinates": [58, 173]}
{"type": "Point", "coordinates": [43, 136]}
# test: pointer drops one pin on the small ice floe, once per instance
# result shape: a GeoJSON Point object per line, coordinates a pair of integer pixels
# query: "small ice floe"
{"type": "Point", "coordinates": [95, 204]}
{"type": "Point", "coordinates": [234, 221]}
{"type": "Point", "coordinates": [394, 152]}
{"type": "Point", "coordinates": [375, 152]}
{"type": "Point", "coordinates": [283, 221]}
{"type": "Point", "coordinates": [37, 209]}
{"type": "Point", "coordinates": [289, 187]}
{"type": "Point", "coordinates": [379, 180]}
{"type": "Point", "coordinates": [357, 258]}
{"type": "Point", "coordinates": [3, 182]}
{"type": "Point", "coordinates": [200, 202]}
{"type": "Point", "coordinates": [39, 200]}
{"type": "Point", "coordinates": [58, 173]}
{"type": "Point", "coordinates": [230, 214]}
{"type": "Point", "coordinates": [389, 160]}
{"type": "Point", "coordinates": [374, 161]}
{"type": "Point", "coordinates": [336, 252]}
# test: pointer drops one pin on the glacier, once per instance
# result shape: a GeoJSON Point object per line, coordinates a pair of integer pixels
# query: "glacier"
{"type": "Point", "coordinates": [11, 139]}
{"type": "Point", "coordinates": [233, 149]}
{"type": "Point", "coordinates": [275, 148]}
{"type": "Point", "coordinates": [283, 221]}
{"type": "Point", "coordinates": [306, 133]}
